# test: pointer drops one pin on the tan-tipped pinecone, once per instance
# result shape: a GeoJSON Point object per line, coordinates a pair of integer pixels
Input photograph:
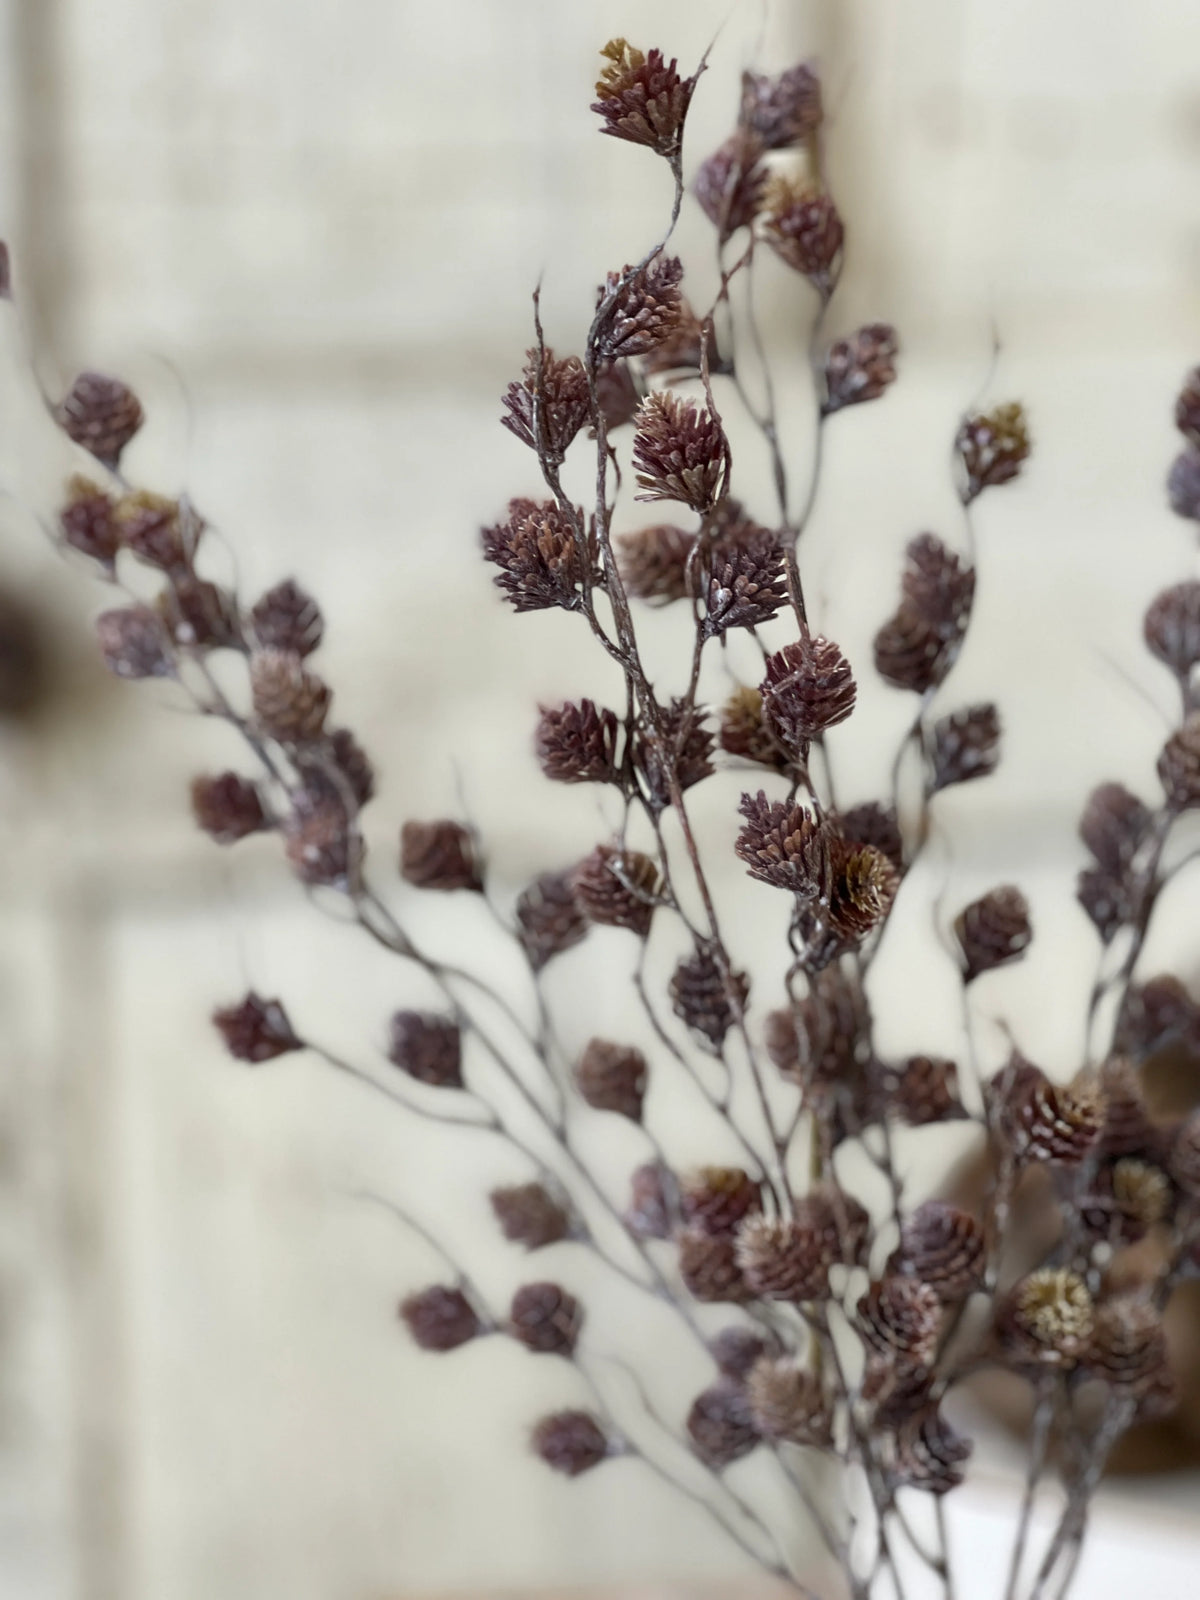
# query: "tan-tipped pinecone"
{"type": "Point", "coordinates": [1041, 1121]}
{"type": "Point", "coordinates": [720, 1425]}
{"type": "Point", "coordinates": [134, 643]}
{"type": "Point", "coordinates": [227, 807]}
{"type": "Point", "coordinates": [785, 845]}
{"type": "Point", "coordinates": [440, 1318]}
{"type": "Point", "coordinates": [744, 731]}
{"type": "Point", "coordinates": [439, 855]}
{"type": "Point", "coordinates": [925, 1090]}
{"type": "Point", "coordinates": [781, 111]}
{"type": "Point", "coordinates": [809, 687]}
{"type": "Point", "coordinates": [709, 1269]}
{"type": "Point", "coordinates": [653, 562]}
{"type": "Point", "coordinates": [323, 847]}
{"type": "Point", "coordinates": [287, 618]}
{"type": "Point", "coordinates": [617, 888]}
{"type": "Point", "coordinates": [965, 745]}
{"type": "Point", "coordinates": [576, 742]}
{"type": "Point", "coordinates": [1128, 1346]}
{"type": "Point", "coordinates": [199, 615]}
{"type": "Point", "coordinates": [788, 1403]}
{"type": "Point", "coordinates": [992, 447]}
{"type": "Point", "coordinates": [1179, 765]}
{"type": "Point", "coordinates": [736, 1349]}
{"type": "Point", "coordinates": [1187, 408]}
{"type": "Point", "coordinates": [529, 1214]}
{"type": "Point", "coordinates": [561, 408]}
{"type": "Point", "coordinates": [537, 550]}
{"type": "Point", "coordinates": [700, 998]}
{"type": "Point", "coordinates": [653, 1202]}
{"type": "Point", "coordinates": [804, 229]}
{"type": "Point", "coordinates": [1131, 1196]}
{"type": "Point", "coordinates": [256, 1030]}
{"type": "Point", "coordinates": [1172, 627]}
{"type": "Point", "coordinates": [571, 1442]}
{"type": "Point", "coordinates": [1047, 1319]}
{"type": "Point", "coordinates": [899, 1319]}
{"type": "Point", "coordinates": [864, 886]}
{"type": "Point", "coordinates": [290, 703]}
{"type": "Point", "coordinates": [152, 526]}
{"type": "Point", "coordinates": [427, 1047]}
{"type": "Point", "coordinates": [545, 1318]}
{"type": "Point", "coordinates": [1183, 484]}
{"type": "Point", "coordinates": [731, 185]}
{"type": "Point", "coordinates": [638, 310]}
{"type": "Point", "coordinates": [716, 1200]}
{"type": "Point", "coordinates": [785, 1258]}
{"type": "Point", "coordinates": [548, 919]}
{"type": "Point", "coordinates": [682, 751]}
{"type": "Point", "coordinates": [909, 654]}
{"type": "Point", "coordinates": [860, 367]}
{"type": "Point", "coordinates": [929, 1453]}
{"type": "Point", "coordinates": [612, 1077]}
{"type": "Point", "coordinates": [993, 931]}
{"type": "Point", "coordinates": [641, 98]}
{"type": "Point", "coordinates": [746, 582]}
{"type": "Point", "coordinates": [1185, 1156]}
{"type": "Point", "coordinates": [100, 414]}
{"type": "Point", "coordinates": [679, 451]}
{"type": "Point", "coordinates": [88, 521]}
{"type": "Point", "coordinates": [617, 395]}
{"type": "Point", "coordinates": [1113, 826]}
{"type": "Point", "coordinates": [943, 1247]}
{"type": "Point", "coordinates": [1128, 1129]}
{"type": "Point", "coordinates": [873, 824]}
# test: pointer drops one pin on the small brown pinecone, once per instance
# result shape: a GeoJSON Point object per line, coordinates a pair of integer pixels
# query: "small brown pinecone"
{"type": "Point", "coordinates": [788, 1403]}
{"type": "Point", "coordinates": [817, 1041]}
{"type": "Point", "coordinates": [561, 406]}
{"type": "Point", "coordinates": [943, 1247]}
{"type": "Point", "coordinates": [571, 1442]}
{"type": "Point", "coordinates": [287, 618]}
{"type": "Point", "coordinates": [199, 615]}
{"type": "Point", "coordinates": [809, 687]}
{"type": "Point", "coordinates": [538, 553]}
{"type": "Point", "coordinates": [341, 770]}
{"type": "Point", "coordinates": [1156, 1013]}
{"type": "Point", "coordinates": [992, 447]}
{"type": "Point", "coordinates": [653, 562]}
{"type": "Point", "coordinates": [1179, 765]}
{"type": "Point", "coordinates": [653, 1202]}
{"type": "Point", "coordinates": [785, 1258]}
{"type": "Point", "coordinates": [529, 1214]}
{"type": "Point", "coordinates": [439, 855]}
{"type": "Point", "coordinates": [617, 395]}
{"type": "Point", "coordinates": [682, 751]}
{"type": "Point", "coordinates": [1172, 627]}
{"type": "Point", "coordinates": [256, 1030]}
{"type": "Point", "coordinates": [1108, 901]}
{"type": "Point", "coordinates": [685, 349]}
{"type": "Point", "coordinates": [323, 847]}
{"type": "Point", "coordinates": [720, 1425]}
{"type": "Point", "coordinates": [700, 999]}
{"type": "Point", "coordinates": [1183, 484]}
{"type": "Point", "coordinates": [709, 1269]}
{"type": "Point", "coordinates": [899, 1319]}
{"type": "Point", "coordinates": [785, 845]}
{"type": "Point", "coordinates": [909, 654]}
{"type": "Point", "coordinates": [290, 703]}
{"type": "Point", "coordinates": [1128, 1347]}
{"type": "Point", "coordinates": [1132, 1197]}
{"type": "Point", "coordinates": [134, 643]}
{"type": "Point", "coordinates": [730, 186]}
{"type": "Point", "coordinates": [548, 919]}
{"type": "Point", "coordinates": [576, 742]}
{"type": "Point", "coordinates": [612, 1077]}
{"type": "Point", "coordinates": [152, 526]}
{"type": "Point", "coordinates": [679, 451]}
{"type": "Point", "coordinates": [427, 1047]}
{"type": "Point", "coordinates": [744, 731]}
{"type": "Point", "coordinates": [860, 367]}
{"type": "Point", "coordinates": [864, 885]}
{"type": "Point", "coordinates": [1041, 1121]}
{"type": "Point", "coordinates": [966, 745]}
{"type": "Point", "coordinates": [1113, 825]}
{"type": "Point", "coordinates": [1185, 1156]}
{"type": "Point", "coordinates": [925, 1090]}
{"type": "Point", "coordinates": [1128, 1130]}
{"type": "Point", "coordinates": [227, 807]}
{"type": "Point", "coordinates": [1187, 408]}
{"type": "Point", "coordinates": [716, 1200]}
{"type": "Point", "coordinates": [736, 1349]}
{"type": "Point", "coordinates": [641, 98]}
{"type": "Point", "coordinates": [1048, 1319]}
{"type": "Point", "coordinates": [88, 521]}
{"type": "Point", "coordinates": [993, 931]}
{"type": "Point", "coordinates": [545, 1318]}
{"type": "Point", "coordinates": [844, 1222]}
{"type": "Point", "coordinates": [617, 888]}
{"type": "Point", "coordinates": [781, 111]}
{"type": "Point", "coordinates": [929, 1452]}
{"type": "Point", "coordinates": [940, 590]}
{"type": "Point", "coordinates": [638, 310]}
{"type": "Point", "coordinates": [100, 414]}
{"type": "Point", "coordinates": [746, 583]}
{"type": "Point", "coordinates": [440, 1318]}
{"type": "Point", "coordinates": [804, 229]}
{"type": "Point", "coordinates": [876, 825]}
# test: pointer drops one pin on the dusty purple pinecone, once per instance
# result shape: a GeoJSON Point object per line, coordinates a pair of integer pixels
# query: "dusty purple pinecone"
{"type": "Point", "coordinates": [925, 1090]}
{"type": "Point", "coordinates": [570, 1442]}
{"type": "Point", "coordinates": [88, 521]}
{"type": "Point", "coordinates": [537, 551]}
{"type": "Point", "coordinates": [679, 451]}
{"type": "Point", "coordinates": [781, 111]}
{"type": "Point", "coordinates": [908, 654]}
{"type": "Point", "coordinates": [545, 1318]}
{"type": "Point", "coordinates": [287, 618]}
{"type": "Point", "coordinates": [612, 1077]}
{"type": "Point", "coordinates": [720, 1425]}
{"type": "Point", "coordinates": [290, 703]}
{"type": "Point", "coordinates": [786, 1258]}
{"type": "Point", "coordinates": [1128, 1347]}
{"type": "Point", "coordinates": [256, 1029]}
{"type": "Point", "coordinates": [1179, 765]}
{"type": "Point", "coordinates": [816, 1042]}
{"type": "Point", "coordinates": [687, 758]}
{"type": "Point", "coordinates": [134, 643]}
{"type": "Point", "coordinates": [788, 1403]}
{"type": "Point", "coordinates": [874, 824]}
{"type": "Point", "coordinates": [1128, 1129]}
{"type": "Point", "coordinates": [548, 920]}
{"type": "Point", "coordinates": [685, 349]}
{"type": "Point", "coordinates": [440, 1318]}
{"type": "Point", "coordinates": [993, 931]}
{"type": "Point", "coordinates": [1183, 484]}
{"type": "Point", "coordinates": [1187, 408]}
{"type": "Point", "coordinates": [653, 562]}
{"type": "Point", "coordinates": [916, 647]}
{"type": "Point", "coordinates": [653, 1201]}
{"type": "Point", "coordinates": [1113, 825]}
{"type": "Point", "coordinates": [1172, 627]}
{"type": "Point", "coordinates": [322, 845]}
{"type": "Point", "coordinates": [227, 807]}
{"type": "Point", "coordinates": [744, 731]}
{"type": "Point", "coordinates": [785, 845]}
{"type": "Point", "coordinates": [730, 186]}
{"type": "Point", "coordinates": [804, 229]}
{"type": "Point", "coordinates": [899, 1320]}
{"type": "Point", "coordinates": [709, 1269]}
{"type": "Point", "coordinates": [1108, 900]}
{"type": "Point", "coordinates": [617, 395]}
{"type": "Point", "coordinates": [617, 888]}
{"type": "Point", "coordinates": [339, 769]}
{"type": "Point", "coordinates": [427, 1047]}
{"type": "Point", "coordinates": [529, 1214]}
{"type": "Point", "coordinates": [1184, 1160]}
{"type": "Point", "coordinates": [744, 583]}
{"type": "Point", "coordinates": [992, 447]}
{"type": "Point", "coordinates": [576, 742]}
{"type": "Point", "coordinates": [563, 409]}
{"type": "Point", "coordinates": [199, 615]}
{"type": "Point", "coordinates": [860, 367]}
{"type": "Point", "coordinates": [642, 99]}
{"type": "Point", "coordinates": [699, 996]}
{"type": "Point", "coordinates": [1047, 1319]}
{"type": "Point", "coordinates": [1043, 1121]}
{"type": "Point", "coordinates": [637, 310]}
{"type": "Point", "coordinates": [943, 1247]}
{"type": "Point", "coordinates": [151, 526]}
{"type": "Point", "coordinates": [715, 1200]}
{"type": "Point", "coordinates": [864, 885]}
{"type": "Point", "coordinates": [439, 855]}
{"type": "Point", "coordinates": [1155, 1014]}
{"type": "Point", "coordinates": [100, 414]}
{"type": "Point", "coordinates": [929, 1453]}
{"type": "Point", "coordinates": [736, 1349]}
{"type": "Point", "coordinates": [966, 745]}
{"type": "Point", "coordinates": [809, 687]}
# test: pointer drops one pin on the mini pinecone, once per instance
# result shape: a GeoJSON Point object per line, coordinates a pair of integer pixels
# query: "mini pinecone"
{"type": "Point", "coordinates": [427, 1047]}
{"type": "Point", "coordinates": [686, 348]}
{"type": "Point", "coordinates": [545, 1318]}
{"type": "Point", "coordinates": [637, 310]}
{"type": "Point", "coordinates": [916, 648]}
{"type": "Point", "coordinates": [134, 643]}
{"type": "Point", "coordinates": [679, 451]}
{"type": "Point", "coordinates": [966, 745]}
{"type": "Point", "coordinates": [1047, 1319]}
{"type": "Point", "coordinates": [529, 1214]}
{"type": "Point", "coordinates": [943, 1247]}
{"type": "Point", "coordinates": [256, 1030]}
{"type": "Point", "coordinates": [993, 931]}
{"type": "Point", "coordinates": [1156, 1013]}
{"type": "Point", "coordinates": [809, 687]}
{"type": "Point", "coordinates": [287, 618]}
{"type": "Point", "coordinates": [1183, 484]}
{"type": "Point", "coordinates": [788, 1403]}
{"type": "Point", "coordinates": [561, 408]}
{"type": "Point", "coordinates": [642, 99]}
{"type": "Point", "coordinates": [716, 1200]}
{"type": "Point", "coordinates": [1187, 408]}
{"type": "Point", "coordinates": [152, 527]}
{"type": "Point", "coordinates": [860, 367]}
{"type": "Point", "coordinates": [992, 447]}
{"type": "Point", "coordinates": [617, 395]}
{"type": "Point", "coordinates": [908, 653]}
{"type": "Point", "coordinates": [720, 1425]}
{"type": "Point", "coordinates": [700, 998]}
{"type": "Point", "coordinates": [864, 885]}
{"type": "Point", "coordinates": [709, 1269]}
{"type": "Point", "coordinates": [929, 1453]}
{"type": "Point", "coordinates": [1041, 1121]}
{"type": "Point", "coordinates": [617, 888]}
{"type": "Point", "coordinates": [88, 521]}
{"type": "Point", "coordinates": [818, 1041]}
{"type": "Point", "coordinates": [1172, 627]}
{"type": "Point", "coordinates": [1128, 1346]}
{"type": "Point", "coordinates": [746, 583]}
{"type": "Point", "coordinates": [1109, 900]}
{"type": "Point", "coordinates": [1113, 825]}
{"type": "Point", "coordinates": [548, 918]}
{"type": "Point", "coordinates": [653, 1202]}
{"type": "Point", "coordinates": [576, 742]}
{"type": "Point", "coordinates": [439, 855]}
{"type": "Point", "coordinates": [612, 1077]}
{"type": "Point", "coordinates": [1185, 1156]}
{"type": "Point", "coordinates": [731, 185]}
{"type": "Point", "coordinates": [571, 1442]}
{"type": "Point", "coordinates": [199, 615]}
{"type": "Point", "coordinates": [744, 731]}
{"type": "Point", "coordinates": [339, 769]}
{"type": "Point", "coordinates": [323, 847]}
{"type": "Point", "coordinates": [785, 845]}
{"type": "Point", "coordinates": [653, 562]}
{"type": "Point", "coordinates": [290, 703]}
{"type": "Point", "coordinates": [227, 807]}
{"type": "Point", "coordinates": [1128, 1130]}
{"type": "Point", "coordinates": [1179, 765]}
{"type": "Point", "coordinates": [925, 1090]}
{"type": "Point", "coordinates": [804, 229]}
{"type": "Point", "coordinates": [736, 1349]}
{"type": "Point", "coordinates": [100, 414]}
{"type": "Point", "coordinates": [781, 111]}
{"type": "Point", "coordinates": [899, 1319]}
{"type": "Point", "coordinates": [1128, 1198]}
{"type": "Point", "coordinates": [785, 1258]}
{"type": "Point", "coordinates": [844, 1221]}
{"type": "Point", "coordinates": [876, 825]}
{"type": "Point", "coordinates": [684, 755]}
{"type": "Point", "coordinates": [440, 1318]}
{"type": "Point", "coordinates": [537, 551]}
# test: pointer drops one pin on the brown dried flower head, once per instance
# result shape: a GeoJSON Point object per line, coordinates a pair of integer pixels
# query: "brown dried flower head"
{"type": "Point", "coordinates": [439, 855]}
{"type": "Point", "coordinates": [785, 1258]}
{"type": "Point", "coordinates": [654, 562]}
{"type": "Point", "coordinates": [993, 930]}
{"type": "Point", "coordinates": [709, 1269]}
{"type": "Point", "coordinates": [638, 309]}
{"type": "Point", "coordinates": [1141, 1193]}
{"type": "Point", "coordinates": [899, 1319]}
{"type": "Point", "coordinates": [781, 111]}
{"type": "Point", "coordinates": [536, 549]}
{"type": "Point", "coordinates": [571, 1442]}
{"type": "Point", "coordinates": [864, 886]}
{"type": "Point", "coordinates": [860, 367]}
{"type": "Point", "coordinates": [427, 1047]}
{"type": "Point", "coordinates": [1185, 1156]}
{"type": "Point", "coordinates": [1172, 627]}
{"type": "Point", "coordinates": [545, 1318]}
{"type": "Point", "coordinates": [156, 529]}
{"type": "Point", "coordinates": [745, 583]}
{"type": "Point", "coordinates": [642, 99]}
{"type": "Point", "coordinates": [720, 1425]}
{"type": "Point", "coordinates": [1179, 765]}
{"type": "Point", "coordinates": [744, 731]}
{"type": "Point", "coordinates": [1113, 826]}
{"type": "Point", "coordinates": [1044, 1121]}
{"type": "Point", "coordinates": [1183, 484]}
{"type": "Point", "coordinates": [290, 702]}
{"type": "Point", "coordinates": [653, 1202]}
{"type": "Point", "coordinates": [929, 1453]}
{"type": "Point", "coordinates": [788, 1403]}
{"type": "Point", "coordinates": [785, 845]}
{"type": "Point", "coordinates": [943, 1247]}
{"type": "Point", "coordinates": [227, 807]}
{"type": "Point", "coordinates": [1048, 1318]}
{"type": "Point", "coordinates": [88, 521]}
{"type": "Point", "coordinates": [966, 745]}
{"type": "Point", "coordinates": [529, 1214]}
{"type": "Point", "coordinates": [1187, 408]}
{"type": "Point", "coordinates": [576, 742]}
{"type": "Point", "coordinates": [992, 447]}
{"type": "Point", "coordinates": [548, 918]}
{"type": "Point", "coordinates": [612, 1077]}
{"type": "Point", "coordinates": [100, 414]}
{"type": "Point", "coordinates": [683, 751]}
{"type": "Point", "coordinates": [617, 888]}
{"type": "Point", "coordinates": [700, 997]}
{"type": "Point", "coordinates": [808, 688]}
{"type": "Point", "coordinates": [255, 1029]}
{"type": "Point", "coordinates": [1128, 1347]}
{"type": "Point", "coordinates": [925, 1090]}
{"type": "Point", "coordinates": [546, 410]}
{"type": "Point", "coordinates": [440, 1318]}
{"type": "Point", "coordinates": [679, 451]}
{"type": "Point", "coordinates": [938, 587]}
{"type": "Point", "coordinates": [804, 229]}
{"type": "Point", "coordinates": [873, 824]}
{"type": "Point", "coordinates": [731, 185]}
{"type": "Point", "coordinates": [908, 653]}
{"type": "Point", "coordinates": [287, 618]}
{"type": "Point", "coordinates": [715, 1200]}
{"type": "Point", "coordinates": [736, 1349]}
{"type": "Point", "coordinates": [134, 643]}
